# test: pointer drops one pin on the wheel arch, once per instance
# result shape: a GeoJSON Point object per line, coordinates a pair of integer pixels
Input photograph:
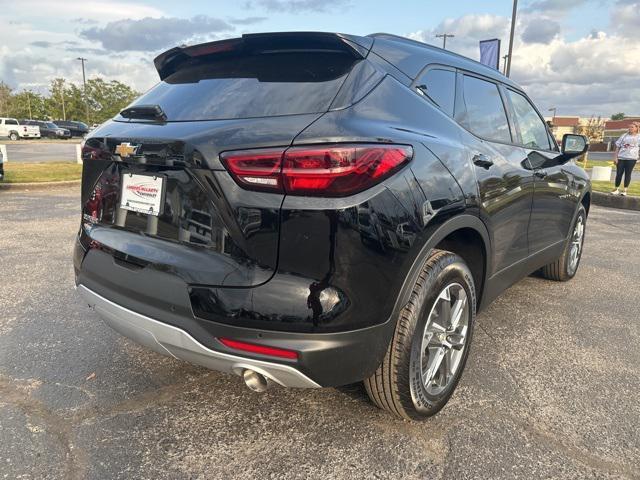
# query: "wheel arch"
{"type": "Point", "coordinates": [586, 201]}
{"type": "Point", "coordinates": [455, 234]}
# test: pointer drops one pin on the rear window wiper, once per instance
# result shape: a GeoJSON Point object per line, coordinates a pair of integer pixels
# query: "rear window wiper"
{"type": "Point", "coordinates": [145, 112]}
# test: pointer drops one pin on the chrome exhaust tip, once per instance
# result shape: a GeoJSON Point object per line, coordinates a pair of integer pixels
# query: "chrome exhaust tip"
{"type": "Point", "coordinates": [255, 381]}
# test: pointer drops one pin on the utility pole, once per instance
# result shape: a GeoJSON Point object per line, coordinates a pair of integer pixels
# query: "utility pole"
{"type": "Point", "coordinates": [513, 28]}
{"type": "Point", "coordinates": [84, 83]}
{"type": "Point", "coordinates": [504, 64]}
{"type": "Point", "coordinates": [444, 37]}
{"type": "Point", "coordinates": [29, 103]}
{"type": "Point", "coordinates": [64, 113]}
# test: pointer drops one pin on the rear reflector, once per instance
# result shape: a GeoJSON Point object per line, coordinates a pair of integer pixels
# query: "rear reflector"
{"type": "Point", "coordinates": [261, 349]}
{"type": "Point", "coordinates": [322, 171]}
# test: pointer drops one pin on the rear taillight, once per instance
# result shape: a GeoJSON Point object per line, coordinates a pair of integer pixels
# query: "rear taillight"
{"type": "Point", "coordinates": [256, 169]}
{"type": "Point", "coordinates": [323, 171]}
{"type": "Point", "coordinates": [93, 153]}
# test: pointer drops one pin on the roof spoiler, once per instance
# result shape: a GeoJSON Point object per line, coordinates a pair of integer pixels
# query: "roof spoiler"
{"type": "Point", "coordinates": [170, 61]}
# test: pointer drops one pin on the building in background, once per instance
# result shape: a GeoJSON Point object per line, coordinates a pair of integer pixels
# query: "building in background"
{"type": "Point", "coordinates": [592, 127]}
{"type": "Point", "coordinates": [613, 129]}
{"type": "Point", "coordinates": [561, 125]}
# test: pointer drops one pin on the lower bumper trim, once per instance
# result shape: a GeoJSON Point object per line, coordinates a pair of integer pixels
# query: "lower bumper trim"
{"type": "Point", "coordinates": [169, 340]}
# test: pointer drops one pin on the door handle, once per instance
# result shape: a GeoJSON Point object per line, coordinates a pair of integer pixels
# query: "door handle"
{"type": "Point", "coordinates": [540, 173]}
{"type": "Point", "coordinates": [481, 160]}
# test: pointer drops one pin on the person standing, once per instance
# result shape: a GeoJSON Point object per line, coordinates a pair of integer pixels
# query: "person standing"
{"type": "Point", "coordinates": [626, 156]}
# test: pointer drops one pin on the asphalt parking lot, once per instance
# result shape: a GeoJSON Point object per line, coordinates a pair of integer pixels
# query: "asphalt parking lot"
{"type": "Point", "coordinates": [550, 391]}
{"type": "Point", "coordinates": [32, 151]}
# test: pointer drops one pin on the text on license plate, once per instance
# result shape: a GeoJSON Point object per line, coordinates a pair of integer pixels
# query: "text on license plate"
{"type": "Point", "coordinates": [142, 193]}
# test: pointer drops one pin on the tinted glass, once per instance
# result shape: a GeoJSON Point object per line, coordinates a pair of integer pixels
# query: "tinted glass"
{"type": "Point", "coordinates": [440, 86]}
{"type": "Point", "coordinates": [251, 86]}
{"type": "Point", "coordinates": [483, 112]}
{"type": "Point", "coordinates": [51, 125]}
{"type": "Point", "coordinates": [11, 122]}
{"type": "Point", "coordinates": [532, 128]}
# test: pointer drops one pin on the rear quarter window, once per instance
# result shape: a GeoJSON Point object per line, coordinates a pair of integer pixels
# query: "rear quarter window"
{"type": "Point", "coordinates": [483, 112]}
{"type": "Point", "coordinates": [251, 86]}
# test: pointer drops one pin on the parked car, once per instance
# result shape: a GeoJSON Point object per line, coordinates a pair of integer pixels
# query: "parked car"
{"type": "Point", "coordinates": [12, 128]}
{"type": "Point", "coordinates": [1, 165]}
{"type": "Point", "coordinates": [443, 165]}
{"type": "Point", "coordinates": [77, 129]}
{"type": "Point", "coordinates": [49, 129]}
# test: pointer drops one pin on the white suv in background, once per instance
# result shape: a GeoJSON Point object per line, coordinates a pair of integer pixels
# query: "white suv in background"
{"type": "Point", "coordinates": [10, 127]}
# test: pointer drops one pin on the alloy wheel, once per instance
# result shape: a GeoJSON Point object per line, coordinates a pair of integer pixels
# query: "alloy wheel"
{"type": "Point", "coordinates": [577, 240]}
{"type": "Point", "coordinates": [444, 339]}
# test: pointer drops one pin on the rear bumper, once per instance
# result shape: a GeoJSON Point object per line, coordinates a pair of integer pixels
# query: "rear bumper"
{"type": "Point", "coordinates": [175, 342]}
{"type": "Point", "coordinates": [325, 360]}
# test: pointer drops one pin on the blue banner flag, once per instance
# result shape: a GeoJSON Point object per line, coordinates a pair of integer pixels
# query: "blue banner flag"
{"type": "Point", "coordinates": [490, 53]}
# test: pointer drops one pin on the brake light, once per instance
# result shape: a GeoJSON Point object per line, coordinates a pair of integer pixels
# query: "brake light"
{"type": "Point", "coordinates": [214, 47]}
{"type": "Point", "coordinates": [261, 349]}
{"type": "Point", "coordinates": [256, 169]}
{"type": "Point", "coordinates": [324, 171]}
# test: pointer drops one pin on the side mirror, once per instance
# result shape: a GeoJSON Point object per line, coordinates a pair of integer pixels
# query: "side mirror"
{"type": "Point", "coordinates": [574, 145]}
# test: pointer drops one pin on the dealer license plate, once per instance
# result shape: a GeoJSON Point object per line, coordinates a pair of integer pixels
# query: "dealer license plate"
{"type": "Point", "coordinates": [142, 193]}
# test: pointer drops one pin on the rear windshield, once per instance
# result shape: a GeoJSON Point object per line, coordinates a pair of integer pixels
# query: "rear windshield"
{"type": "Point", "coordinates": [251, 86]}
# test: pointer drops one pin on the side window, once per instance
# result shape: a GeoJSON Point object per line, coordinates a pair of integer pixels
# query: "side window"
{"type": "Point", "coordinates": [483, 112]}
{"type": "Point", "coordinates": [440, 86]}
{"type": "Point", "coordinates": [532, 128]}
{"type": "Point", "coordinates": [11, 122]}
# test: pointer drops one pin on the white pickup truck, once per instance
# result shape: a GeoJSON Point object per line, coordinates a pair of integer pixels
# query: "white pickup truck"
{"type": "Point", "coordinates": [10, 127]}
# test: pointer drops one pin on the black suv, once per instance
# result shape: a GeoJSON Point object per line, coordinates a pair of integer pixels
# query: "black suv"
{"type": "Point", "coordinates": [77, 129]}
{"type": "Point", "coordinates": [48, 129]}
{"type": "Point", "coordinates": [316, 209]}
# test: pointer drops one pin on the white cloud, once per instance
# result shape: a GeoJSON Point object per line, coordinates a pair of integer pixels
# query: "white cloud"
{"type": "Point", "coordinates": [152, 34]}
{"type": "Point", "coordinates": [592, 75]}
{"type": "Point", "coordinates": [625, 18]}
{"type": "Point", "coordinates": [92, 9]}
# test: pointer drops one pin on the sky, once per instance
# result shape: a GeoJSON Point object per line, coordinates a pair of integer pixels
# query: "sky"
{"type": "Point", "coordinates": [580, 56]}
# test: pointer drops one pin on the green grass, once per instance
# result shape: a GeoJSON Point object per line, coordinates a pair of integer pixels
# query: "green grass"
{"type": "Point", "coordinates": [607, 187]}
{"type": "Point", "coordinates": [602, 163]}
{"type": "Point", "coordinates": [41, 172]}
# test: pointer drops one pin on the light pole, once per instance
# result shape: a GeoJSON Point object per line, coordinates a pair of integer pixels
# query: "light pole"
{"type": "Point", "coordinates": [554, 110]}
{"type": "Point", "coordinates": [29, 104]}
{"type": "Point", "coordinates": [84, 84]}
{"type": "Point", "coordinates": [513, 28]}
{"type": "Point", "coordinates": [504, 66]}
{"type": "Point", "coordinates": [444, 37]}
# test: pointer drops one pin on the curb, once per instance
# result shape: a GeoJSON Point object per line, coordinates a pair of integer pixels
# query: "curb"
{"type": "Point", "coordinates": [615, 201]}
{"type": "Point", "coordinates": [39, 185]}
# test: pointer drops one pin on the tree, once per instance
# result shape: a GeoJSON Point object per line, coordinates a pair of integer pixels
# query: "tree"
{"type": "Point", "coordinates": [5, 99]}
{"type": "Point", "coordinates": [58, 99]}
{"type": "Point", "coordinates": [617, 116]}
{"type": "Point", "coordinates": [594, 129]}
{"type": "Point", "coordinates": [66, 101]}
{"type": "Point", "coordinates": [106, 99]}
{"type": "Point", "coordinates": [27, 104]}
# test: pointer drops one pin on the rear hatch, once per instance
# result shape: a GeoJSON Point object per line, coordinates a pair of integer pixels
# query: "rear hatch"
{"type": "Point", "coordinates": [154, 191]}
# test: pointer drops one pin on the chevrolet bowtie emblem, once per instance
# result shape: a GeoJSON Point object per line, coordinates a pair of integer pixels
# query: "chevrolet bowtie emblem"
{"type": "Point", "coordinates": [125, 149]}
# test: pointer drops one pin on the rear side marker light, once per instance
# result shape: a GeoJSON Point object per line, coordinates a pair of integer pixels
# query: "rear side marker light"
{"type": "Point", "coordinates": [261, 349]}
{"type": "Point", "coordinates": [323, 171]}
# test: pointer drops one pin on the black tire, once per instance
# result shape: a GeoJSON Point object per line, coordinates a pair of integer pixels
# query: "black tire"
{"type": "Point", "coordinates": [14, 136]}
{"type": "Point", "coordinates": [563, 268]}
{"type": "Point", "coordinates": [397, 385]}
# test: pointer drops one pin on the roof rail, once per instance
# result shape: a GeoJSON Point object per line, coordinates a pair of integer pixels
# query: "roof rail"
{"type": "Point", "coordinates": [400, 38]}
{"type": "Point", "coordinates": [427, 46]}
